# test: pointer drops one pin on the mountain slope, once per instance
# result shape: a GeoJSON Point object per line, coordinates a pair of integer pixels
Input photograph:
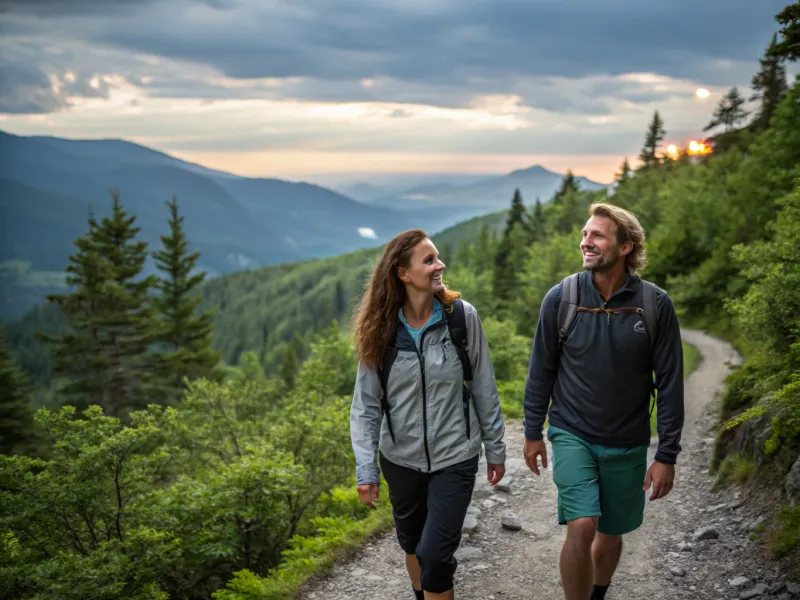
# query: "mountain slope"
{"type": "Point", "coordinates": [49, 185]}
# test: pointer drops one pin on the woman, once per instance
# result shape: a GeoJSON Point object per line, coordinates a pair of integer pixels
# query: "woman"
{"type": "Point", "coordinates": [433, 419]}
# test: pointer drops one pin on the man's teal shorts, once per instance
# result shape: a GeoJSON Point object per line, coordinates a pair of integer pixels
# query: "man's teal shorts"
{"type": "Point", "coordinates": [597, 481]}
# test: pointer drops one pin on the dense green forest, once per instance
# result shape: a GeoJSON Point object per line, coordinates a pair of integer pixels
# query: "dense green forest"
{"type": "Point", "coordinates": [168, 437]}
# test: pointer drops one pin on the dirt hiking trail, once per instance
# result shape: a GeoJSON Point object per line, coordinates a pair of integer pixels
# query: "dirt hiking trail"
{"type": "Point", "coordinates": [693, 543]}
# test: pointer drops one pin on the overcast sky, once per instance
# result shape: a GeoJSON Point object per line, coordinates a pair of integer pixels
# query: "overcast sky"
{"type": "Point", "coordinates": [325, 89]}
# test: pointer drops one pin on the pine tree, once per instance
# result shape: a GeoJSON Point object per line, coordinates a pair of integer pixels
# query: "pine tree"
{"type": "Point", "coordinates": [536, 223]}
{"type": "Point", "coordinates": [516, 216]}
{"type": "Point", "coordinates": [655, 135]}
{"type": "Point", "coordinates": [728, 111]}
{"type": "Point", "coordinates": [183, 335]}
{"type": "Point", "coordinates": [789, 47]}
{"type": "Point", "coordinates": [289, 366]}
{"type": "Point", "coordinates": [100, 359]}
{"type": "Point", "coordinates": [505, 271]}
{"type": "Point", "coordinates": [79, 367]}
{"type": "Point", "coordinates": [769, 85]}
{"type": "Point", "coordinates": [568, 185]}
{"type": "Point", "coordinates": [339, 301]}
{"type": "Point", "coordinates": [16, 416]}
{"type": "Point", "coordinates": [624, 173]}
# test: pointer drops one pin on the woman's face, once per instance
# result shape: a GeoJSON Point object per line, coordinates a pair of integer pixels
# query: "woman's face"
{"type": "Point", "coordinates": [424, 272]}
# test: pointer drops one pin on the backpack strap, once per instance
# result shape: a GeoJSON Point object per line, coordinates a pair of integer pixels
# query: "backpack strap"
{"type": "Point", "coordinates": [567, 306]}
{"type": "Point", "coordinates": [650, 311]}
{"type": "Point", "coordinates": [383, 372]}
{"type": "Point", "coordinates": [457, 325]}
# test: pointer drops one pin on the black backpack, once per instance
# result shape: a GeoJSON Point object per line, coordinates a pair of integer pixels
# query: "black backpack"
{"type": "Point", "coordinates": [568, 307]}
{"type": "Point", "coordinates": [457, 326]}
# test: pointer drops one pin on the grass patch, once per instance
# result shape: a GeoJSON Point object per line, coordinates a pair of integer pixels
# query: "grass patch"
{"type": "Point", "coordinates": [734, 468]}
{"type": "Point", "coordinates": [335, 538]}
{"type": "Point", "coordinates": [783, 534]}
{"type": "Point", "coordinates": [691, 360]}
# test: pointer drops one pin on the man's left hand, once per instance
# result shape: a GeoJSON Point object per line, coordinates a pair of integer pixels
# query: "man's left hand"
{"type": "Point", "coordinates": [661, 476]}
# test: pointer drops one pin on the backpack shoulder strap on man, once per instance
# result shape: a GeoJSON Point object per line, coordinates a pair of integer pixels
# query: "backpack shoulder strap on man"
{"type": "Point", "coordinates": [650, 311]}
{"type": "Point", "coordinates": [568, 305]}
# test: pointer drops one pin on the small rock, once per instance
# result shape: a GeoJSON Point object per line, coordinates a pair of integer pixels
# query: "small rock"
{"type": "Point", "coordinates": [757, 523]}
{"type": "Point", "coordinates": [716, 507]}
{"type": "Point", "coordinates": [685, 547]}
{"type": "Point", "coordinates": [501, 499]}
{"type": "Point", "coordinates": [489, 503]}
{"type": "Point", "coordinates": [470, 523]}
{"type": "Point", "coordinates": [466, 553]}
{"type": "Point", "coordinates": [738, 582]}
{"type": "Point", "coordinates": [504, 485]}
{"type": "Point", "coordinates": [511, 522]}
{"type": "Point", "coordinates": [705, 533]}
{"type": "Point", "coordinates": [777, 588]}
{"type": "Point", "coordinates": [678, 572]}
{"type": "Point", "coordinates": [793, 589]}
{"type": "Point", "coordinates": [755, 592]}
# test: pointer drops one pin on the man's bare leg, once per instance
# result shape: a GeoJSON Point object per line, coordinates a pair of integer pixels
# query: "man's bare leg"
{"type": "Point", "coordinates": [414, 572]}
{"type": "Point", "coordinates": [577, 571]}
{"type": "Point", "coordinates": [606, 551]}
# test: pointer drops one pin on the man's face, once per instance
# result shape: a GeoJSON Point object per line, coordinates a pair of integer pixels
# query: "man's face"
{"type": "Point", "coordinates": [599, 244]}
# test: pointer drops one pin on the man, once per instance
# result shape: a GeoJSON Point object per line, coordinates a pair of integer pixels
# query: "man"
{"type": "Point", "coordinates": [601, 378]}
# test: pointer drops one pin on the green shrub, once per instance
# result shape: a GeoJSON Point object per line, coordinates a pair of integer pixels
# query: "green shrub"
{"type": "Point", "coordinates": [734, 468]}
{"type": "Point", "coordinates": [783, 535]}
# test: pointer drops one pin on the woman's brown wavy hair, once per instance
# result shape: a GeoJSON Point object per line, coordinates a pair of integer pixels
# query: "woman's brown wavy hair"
{"type": "Point", "coordinates": [375, 321]}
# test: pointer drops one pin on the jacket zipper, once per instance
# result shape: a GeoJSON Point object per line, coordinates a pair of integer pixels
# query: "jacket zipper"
{"type": "Point", "coordinates": [421, 358]}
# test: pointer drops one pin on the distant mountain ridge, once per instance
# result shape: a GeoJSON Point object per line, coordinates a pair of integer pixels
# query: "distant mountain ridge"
{"type": "Point", "coordinates": [49, 184]}
{"type": "Point", "coordinates": [487, 195]}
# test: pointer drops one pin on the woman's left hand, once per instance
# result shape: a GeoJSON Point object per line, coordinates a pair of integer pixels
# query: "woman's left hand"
{"type": "Point", "coordinates": [495, 473]}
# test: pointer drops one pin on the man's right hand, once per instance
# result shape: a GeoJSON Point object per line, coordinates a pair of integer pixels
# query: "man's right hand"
{"type": "Point", "coordinates": [368, 493]}
{"type": "Point", "coordinates": [532, 451]}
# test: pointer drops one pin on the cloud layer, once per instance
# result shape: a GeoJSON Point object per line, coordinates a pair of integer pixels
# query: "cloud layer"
{"type": "Point", "coordinates": [535, 76]}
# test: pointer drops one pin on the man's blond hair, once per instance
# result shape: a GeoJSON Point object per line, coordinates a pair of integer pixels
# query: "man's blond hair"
{"type": "Point", "coordinates": [628, 230]}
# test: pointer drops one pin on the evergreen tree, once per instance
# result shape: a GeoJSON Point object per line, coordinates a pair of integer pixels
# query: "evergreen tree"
{"type": "Point", "coordinates": [729, 111]}
{"type": "Point", "coordinates": [16, 416]}
{"type": "Point", "coordinates": [183, 335]}
{"type": "Point", "coordinates": [79, 367]}
{"type": "Point", "coordinates": [339, 301]}
{"type": "Point", "coordinates": [516, 216]}
{"type": "Point", "coordinates": [484, 250]}
{"type": "Point", "coordinates": [289, 366]}
{"type": "Point", "coordinates": [789, 47]}
{"type": "Point", "coordinates": [100, 359]}
{"type": "Point", "coordinates": [624, 173]}
{"type": "Point", "coordinates": [568, 185]}
{"type": "Point", "coordinates": [655, 135]}
{"type": "Point", "coordinates": [536, 223]}
{"type": "Point", "coordinates": [505, 271]}
{"type": "Point", "coordinates": [769, 85]}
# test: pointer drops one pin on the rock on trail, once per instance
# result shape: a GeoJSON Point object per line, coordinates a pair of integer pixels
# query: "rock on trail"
{"type": "Point", "coordinates": [694, 544]}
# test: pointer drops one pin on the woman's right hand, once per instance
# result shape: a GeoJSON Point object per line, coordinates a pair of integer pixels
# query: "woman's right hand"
{"type": "Point", "coordinates": [368, 493]}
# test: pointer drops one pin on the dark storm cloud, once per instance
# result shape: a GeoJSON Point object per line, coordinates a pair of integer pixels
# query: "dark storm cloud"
{"type": "Point", "coordinates": [56, 8]}
{"type": "Point", "coordinates": [25, 87]}
{"type": "Point", "coordinates": [455, 41]}
{"type": "Point", "coordinates": [441, 52]}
